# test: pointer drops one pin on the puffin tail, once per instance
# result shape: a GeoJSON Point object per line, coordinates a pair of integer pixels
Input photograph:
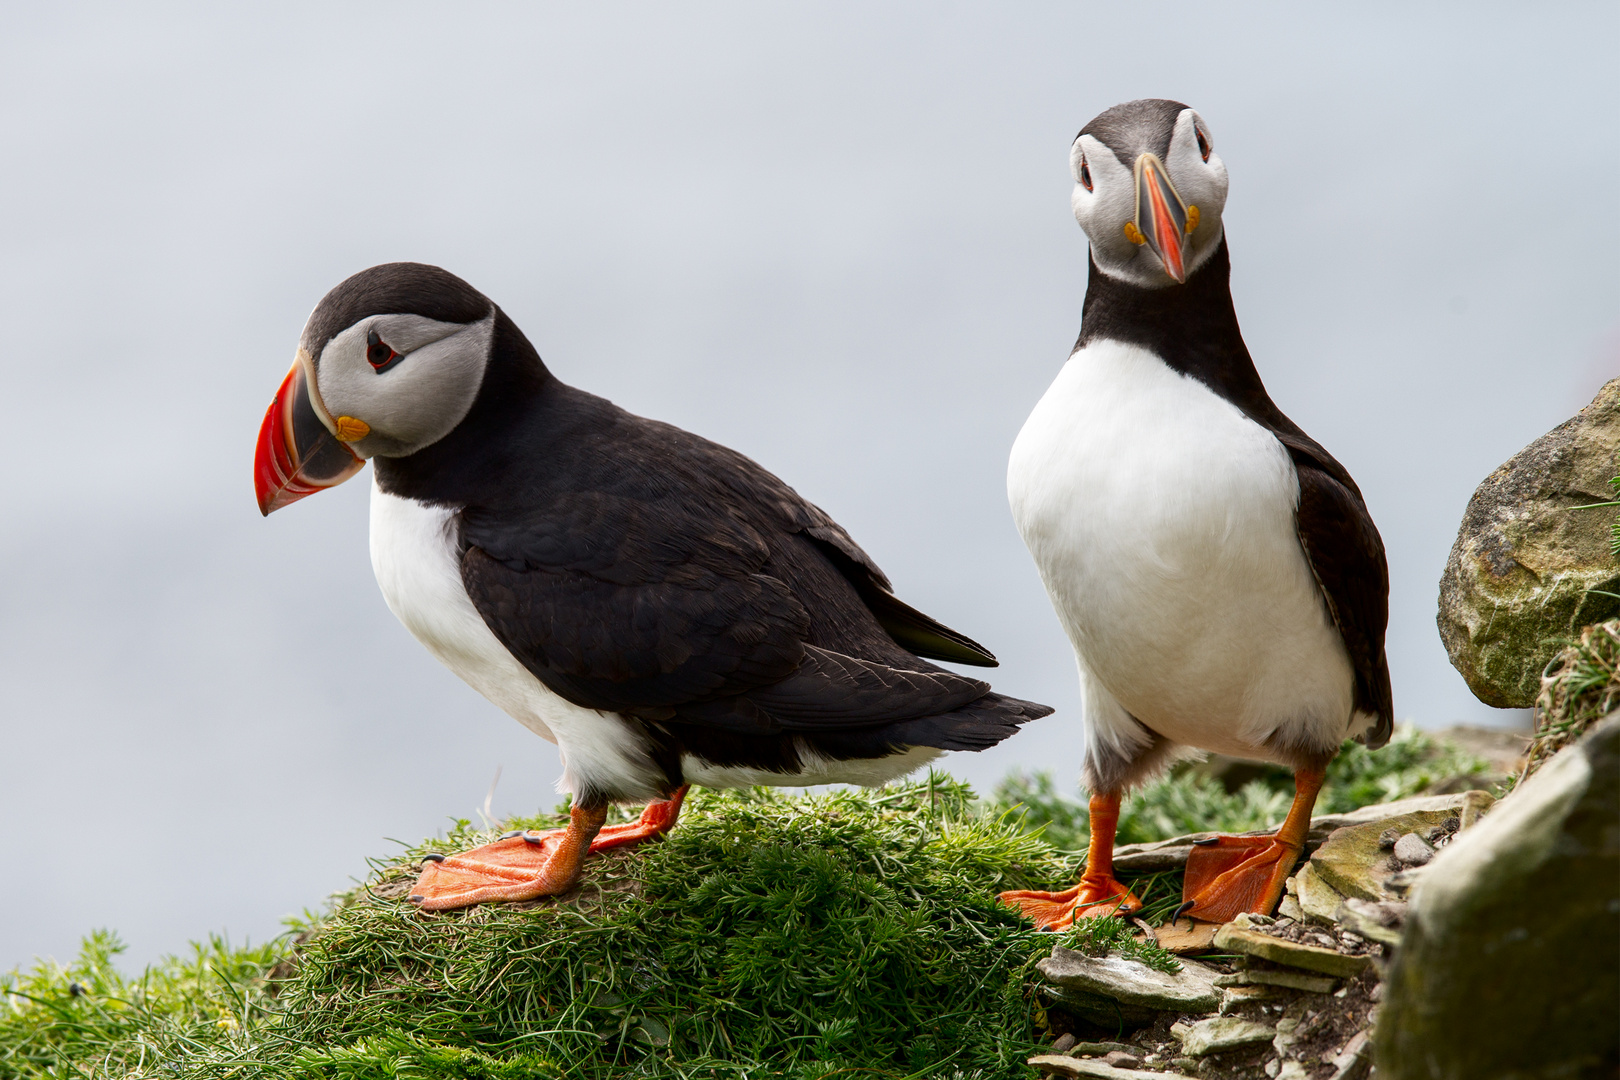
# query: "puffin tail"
{"type": "Point", "coordinates": [978, 725]}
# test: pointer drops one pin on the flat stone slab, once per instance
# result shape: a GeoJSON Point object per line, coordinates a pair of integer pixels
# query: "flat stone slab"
{"type": "Point", "coordinates": [1091, 1069]}
{"type": "Point", "coordinates": [1110, 988]}
{"type": "Point", "coordinates": [1318, 901]}
{"type": "Point", "coordinates": [1187, 936]}
{"type": "Point", "coordinates": [1289, 953]}
{"type": "Point", "coordinates": [1374, 921]}
{"type": "Point", "coordinates": [1221, 1033]}
{"type": "Point", "coordinates": [1292, 980]}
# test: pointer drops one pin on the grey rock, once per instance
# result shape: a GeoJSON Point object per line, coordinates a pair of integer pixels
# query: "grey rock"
{"type": "Point", "coordinates": [1412, 850]}
{"type": "Point", "coordinates": [1099, 1049]}
{"type": "Point", "coordinates": [1380, 922]}
{"type": "Point", "coordinates": [1219, 1034]}
{"type": "Point", "coordinates": [1387, 838]}
{"type": "Point", "coordinates": [1061, 1044]}
{"type": "Point", "coordinates": [1233, 937]}
{"type": "Point", "coordinates": [1092, 1069]}
{"type": "Point", "coordinates": [1112, 989]}
{"type": "Point", "coordinates": [1318, 901]}
{"type": "Point", "coordinates": [1527, 572]}
{"type": "Point", "coordinates": [1354, 1061]}
{"type": "Point", "coordinates": [1292, 980]}
{"type": "Point", "coordinates": [1506, 967]}
{"type": "Point", "coordinates": [1119, 1059]}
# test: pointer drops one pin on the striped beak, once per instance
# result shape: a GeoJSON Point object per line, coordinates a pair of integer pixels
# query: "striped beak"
{"type": "Point", "coordinates": [297, 455]}
{"type": "Point", "coordinates": [1161, 217]}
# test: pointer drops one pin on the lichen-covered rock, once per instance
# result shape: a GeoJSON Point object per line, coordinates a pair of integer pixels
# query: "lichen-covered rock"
{"type": "Point", "coordinates": [1527, 572]}
{"type": "Point", "coordinates": [1112, 989]}
{"type": "Point", "coordinates": [1507, 964]}
{"type": "Point", "coordinates": [1219, 1034]}
{"type": "Point", "coordinates": [1353, 862]}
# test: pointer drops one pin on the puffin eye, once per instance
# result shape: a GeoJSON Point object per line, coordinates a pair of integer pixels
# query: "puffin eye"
{"type": "Point", "coordinates": [1085, 174]}
{"type": "Point", "coordinates": [1203, 143]}
{"type": "Point", "coordinates": [378, 354]}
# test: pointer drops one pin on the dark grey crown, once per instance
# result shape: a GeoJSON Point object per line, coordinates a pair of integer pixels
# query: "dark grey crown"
{"type": "Point", "coordinates": [400, 288]}
{"type": "Point", "coordinates": [1135, 128]}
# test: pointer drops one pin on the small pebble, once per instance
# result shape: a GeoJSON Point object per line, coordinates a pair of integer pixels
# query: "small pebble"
{"type": "Point", "coordinates": [1063, 1042]}
{"type": "Point", "coordinates": [1387, 838]}
{"type": "Point", "coordinates": [1377, 992]}
{"type": "Point", "coordinates": [1412, 850]}
{"type": "Point", "coordinates": [1121, 1060]}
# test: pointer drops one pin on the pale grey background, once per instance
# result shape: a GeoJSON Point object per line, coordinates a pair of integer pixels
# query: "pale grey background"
{"type": "Point", "coordinates": [836, 237]}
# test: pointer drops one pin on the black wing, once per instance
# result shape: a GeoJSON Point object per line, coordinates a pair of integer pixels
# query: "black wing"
{"type": "Point", "coordinates": [671, 604]}
{"type": "Point", "coordinates": [1347, 556]}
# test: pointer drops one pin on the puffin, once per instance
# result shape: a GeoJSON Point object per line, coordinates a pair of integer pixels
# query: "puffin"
{"type": "Point", "coordinates": [660, 607]}
{"type": "Point", "coordinates": [1214, 567]}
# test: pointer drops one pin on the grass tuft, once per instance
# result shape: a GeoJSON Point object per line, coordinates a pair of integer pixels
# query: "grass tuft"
{"type": "Point", "coordinates": [1580, 687]}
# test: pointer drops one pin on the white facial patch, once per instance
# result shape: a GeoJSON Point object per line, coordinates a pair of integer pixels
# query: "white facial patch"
{"type": "Point", "coordinates": [1104, 210]}
{"type": "Point", "coordinates": [417, 399]}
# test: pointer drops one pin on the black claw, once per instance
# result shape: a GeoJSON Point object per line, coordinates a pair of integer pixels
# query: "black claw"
{"type": "Point", "coordinates": [435, 857]}
{"type": "Point", "coordinates": [527, 839]}
{"type": "Point", "coordinates": [509, 835]}
{"type": "Point", "coordinates": [416, 899]}
{"type": "Point", "coordinates": [1207, 843]}
{"type": "Point", "coordinates": [1182, 910]}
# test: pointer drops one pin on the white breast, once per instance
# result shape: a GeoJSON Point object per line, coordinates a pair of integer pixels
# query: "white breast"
{"type": "Point", "coordinates": [1162, 521]}
{"type": "Point", "coordinates": [413, 553]}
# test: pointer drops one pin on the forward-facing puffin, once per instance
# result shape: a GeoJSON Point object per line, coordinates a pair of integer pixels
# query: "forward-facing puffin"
{"type": "Point", "coordinates": [662, 608]}
{"type": "Point", "coordinates": [1214, 567]}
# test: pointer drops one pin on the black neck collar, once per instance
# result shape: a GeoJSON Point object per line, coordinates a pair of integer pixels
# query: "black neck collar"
{"type": "Point", "coordinates": [1192, 327]}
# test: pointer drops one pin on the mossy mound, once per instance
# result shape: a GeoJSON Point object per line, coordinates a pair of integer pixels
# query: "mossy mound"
{"type": "Point", "coordinates": [854, 933]}
{"type": "Point", "coordinates": [1578, 689]}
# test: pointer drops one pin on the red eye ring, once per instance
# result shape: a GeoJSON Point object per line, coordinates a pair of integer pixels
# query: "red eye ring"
{"type": "Point", "coordinates": [378, 353]}
{"type": "Point", "coordinates": [1203, 143]}
{"type": "Point", "coordinates": [1085, 174]}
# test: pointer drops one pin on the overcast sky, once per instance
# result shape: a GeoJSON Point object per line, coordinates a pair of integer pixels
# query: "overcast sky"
{"type": "Point", "coordinates": [835, 237]}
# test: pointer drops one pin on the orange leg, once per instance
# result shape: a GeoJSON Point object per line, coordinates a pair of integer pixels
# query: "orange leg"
{"type": "Point", "coordinates": [1098, 891]}
{"type": "Point", "coordinates": [525, 866]}
{"type": "Point", "coordinates": [1228, 875]}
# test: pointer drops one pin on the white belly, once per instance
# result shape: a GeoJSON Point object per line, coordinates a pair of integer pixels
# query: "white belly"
{"type": "Point", "coordinates": [413, 553]}
{"type": "Point", "coordinates": [1162, 521]}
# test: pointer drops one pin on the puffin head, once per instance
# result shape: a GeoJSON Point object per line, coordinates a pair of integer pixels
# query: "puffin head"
{"type": "Point", "coordinates": [1148, 190]}
{"type": "Point", "coordinates": [390, 362]}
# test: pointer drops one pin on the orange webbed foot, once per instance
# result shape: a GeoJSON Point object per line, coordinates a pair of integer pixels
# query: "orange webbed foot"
{"type": "Point", "coordinates": [1091, 898]}
{"type": "Point", "coordinates": [529, 865]}
{"type": "Point", "coordinates": [1229, 875]}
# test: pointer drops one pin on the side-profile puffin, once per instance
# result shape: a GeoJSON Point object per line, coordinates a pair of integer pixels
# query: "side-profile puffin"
{"type": "Point", "coordinates": [1216, 570]}
{"type": "Point", "coordinates": [660, 607]}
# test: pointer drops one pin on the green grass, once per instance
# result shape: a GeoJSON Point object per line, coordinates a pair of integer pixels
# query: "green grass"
{"type": "Point", "coordinates": [1580, 687]}
{"type": "Point", "coordinates": [850, 934]}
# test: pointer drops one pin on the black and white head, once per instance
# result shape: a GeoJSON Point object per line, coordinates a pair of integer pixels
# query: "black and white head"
{"type": "Point", "coordinates": [1149, 190]}
{"type": "Point", "coordinates": [390, 362]}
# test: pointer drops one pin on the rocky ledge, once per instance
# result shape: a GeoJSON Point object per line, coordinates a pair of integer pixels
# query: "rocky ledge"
{"type": "Point", "coordinates": [1411, 908]}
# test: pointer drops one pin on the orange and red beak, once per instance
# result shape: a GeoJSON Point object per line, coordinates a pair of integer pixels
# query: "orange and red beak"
{"type": "Point", "coordinates": [1161, 216]}
{"type": "Point", "coordinates": [297, 453]}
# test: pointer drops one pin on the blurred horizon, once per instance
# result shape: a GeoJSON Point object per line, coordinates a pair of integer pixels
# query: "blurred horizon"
{"type": "Point", "coordinates": [835, 237]}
